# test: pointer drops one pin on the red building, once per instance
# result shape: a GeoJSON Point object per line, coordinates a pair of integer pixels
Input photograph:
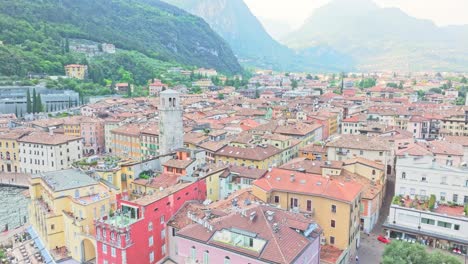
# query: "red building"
{"type": "Point", "coordinates": [137, 231]}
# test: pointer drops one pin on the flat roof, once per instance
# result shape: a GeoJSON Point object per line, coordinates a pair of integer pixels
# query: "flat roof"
{"type": "Point", "coordinates": [66, 179]}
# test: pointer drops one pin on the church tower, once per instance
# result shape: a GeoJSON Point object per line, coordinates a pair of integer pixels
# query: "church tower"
{"type": "Point", "coordinates": [171, 128]}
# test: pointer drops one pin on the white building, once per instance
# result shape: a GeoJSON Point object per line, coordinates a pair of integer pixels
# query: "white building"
{"type": "Point", "coordinates": [437, 228]}
{"type": "Point", "coordinates": [171, 129]}
{"type": "Point", "coordinates": [422, 176]}
{"type": "Point", "coordinates": [43, 152]}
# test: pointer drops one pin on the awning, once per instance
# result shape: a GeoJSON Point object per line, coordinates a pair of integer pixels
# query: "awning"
{"type": "Point", "coordinates": [425, 233]}
{"type": "Point", "coordinates": [38, 242]}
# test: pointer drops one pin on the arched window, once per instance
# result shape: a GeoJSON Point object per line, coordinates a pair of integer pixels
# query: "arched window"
{"type": "Point", "coordinates": [173, 102]}
{"type": "Point", "coordinates": [373, 172]}
{"type": "Point", "coordinates": [150, 226]}
{"type": "Point", "coordinates": [170, 102]}
{"type": "Point", "coordinates": [403, 175]}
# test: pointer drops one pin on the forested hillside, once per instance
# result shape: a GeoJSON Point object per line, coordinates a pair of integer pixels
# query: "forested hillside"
{"type": "Point", "coordinates": [150, 37]}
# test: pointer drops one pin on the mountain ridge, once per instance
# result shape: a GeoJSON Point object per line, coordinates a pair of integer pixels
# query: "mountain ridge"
{"type": "Point", "coordinates": [383, 38]}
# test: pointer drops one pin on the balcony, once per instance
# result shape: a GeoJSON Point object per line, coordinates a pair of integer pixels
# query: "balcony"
{"type": "Point", "coordinates": [342, 152]}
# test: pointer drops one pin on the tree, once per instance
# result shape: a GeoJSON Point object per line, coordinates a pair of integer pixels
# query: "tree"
{"type": "Point", "coordinates": [436, 90]}
{"type": "Point", "coordinates": [392, 85]}
{"type": "Point", "coordinates": [309, 77]}
{"type": "Point", "coordinates": [39, 107]}
{"type": "Point", "coordinates": [399, 252]}
{"type": "Point", "coordinates": [34, 103]}
{"type": "Point", "coordinates": [28, 102]}
{"type": "Point", "coordinates": [294, 84]}
{"type": "Point", "coordinates": [220, 96]}
{"type": "Point", "coordinates": [464, 80]}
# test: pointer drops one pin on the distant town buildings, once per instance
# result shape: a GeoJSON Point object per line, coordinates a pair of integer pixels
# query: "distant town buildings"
{"type": "Point", "coordinates": [76, 71]}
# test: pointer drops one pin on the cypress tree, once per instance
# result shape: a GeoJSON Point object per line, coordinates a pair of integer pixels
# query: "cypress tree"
{"type": "Point", "coordinates": [34, 103]}
{"type": "Point", "coordinates": [28, 102]}
{"type": "Point", "coordinates": [39, 104]}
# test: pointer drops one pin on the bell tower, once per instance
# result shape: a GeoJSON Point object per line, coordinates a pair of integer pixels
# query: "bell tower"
{"type": "Point", "coordinates": [171, 128]}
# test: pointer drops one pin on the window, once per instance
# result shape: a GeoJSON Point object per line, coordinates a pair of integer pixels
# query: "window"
{"type": "Point", "coordinates": [373, 172]}
{"type": "Point", "coordinates": [150, 226]}
{"type": "Point", "coordinates": [465, 200]}
{"type": "Point", "coordinates": [466, 183]}
{"type": "Point", "coordinates": [412, 191]}
{"type": "Point", "coordinates": [361, 152]}
{"type": "Point", "coordinates": [150, 241]}
{"type": "Point", "coordinates": [332, 223]}
{"type": "Point", "coordinates": [455, 198]}
{"type": "Point", "coordinates": [193, 253]}
{"type": "Point", "coordinates": [423, 178]}
{"type": "Point", "coordinates": [403, 175]}
{"type": "Point", "coordinates": [105, 262]}
{"type": "Point", "coordinates": [442, 196]}
{"type": "Point", "coordinates": [332, 240]}
{"type": "Point", "coordinates": [52, 227]}
{"type": "Point", "coordinates": [333, 208]}
{"type": "Point", "coordinates": [163, 234]}
{"type": "Point", "coordinates": [277, 199]}
{"type": "Point", "coordinates": [113, 251]}
{"type": "Point", "coordinates": [206, 256]}
{"type": "Point", "coordinates": [151, 256]}
{"type": "Point", "coordinates": [444, 180]}
{"type": "Point", "coordinates": [309, 205]}
{"type": "Point", "coordinates": [456, 227]}
{"type": "Point", "coordinates": [444, 224]}
{"type": "Point", "coordinates": [227, 260]}
{"type": "Point", "coordinates": [380, 153]}
{"type": "Point", "coordinates": [162, 219]}
{"type": "Point", "coordinates": [104, 249]}
{"type": "Point", "coordinates": [163, 249]}
{"type": "Point", "coordinates": [427, 221]}
{"type": "Point", "coordinates": [294, 202]}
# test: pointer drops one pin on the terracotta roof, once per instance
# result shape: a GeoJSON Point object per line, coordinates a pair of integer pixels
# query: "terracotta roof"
{"type": "Point", "coordinates": [443, 148]}
{"type": "Point", "coordinates": [163, 180]}
{"type": "Point", "coordinates": [413, 149]}
{"type": "Point", "coordinates": [46, 138]}
{"type": "Point", "coordinates": [180, 164]}
{"type": "Point", "coordinates": [255, 153]}
{"type": "Point", "coordinates": [244, 172]}
{"type": "Point", "coordinates": [309, 184]}
{"type": "Point", "coordinates": [458, 139]}
{"type": "Point", "coordinates": [314, 148]}
{"type": "Point", "coordinates": [359, 142]}
{"type": "Point", "coordinates": [283, 246]}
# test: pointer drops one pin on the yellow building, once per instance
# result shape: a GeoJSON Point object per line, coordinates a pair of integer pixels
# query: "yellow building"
{"type": "Point", "coordinates": [9, 151]}
{"type": "Point", "coordinates": [72, 126]}
{"type": "Point", "coordinates": [334, 204]}
{"type": "Point", "coordinates": [76, 71]}
{"type": "Point", "coordinates": [63, 207]}
{"type": "Point", "coordinates": [260, 157]}
{"type": "Point", "coordinates": [127, 141]}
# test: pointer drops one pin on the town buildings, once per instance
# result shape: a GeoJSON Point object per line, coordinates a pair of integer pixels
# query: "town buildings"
{"type": "Point", "coordinates": [334, 204]}
{"type": "Point", "coordinates": [76, 71]}
{"type": "Point", "coordinates": [48, 151]}
{"type": "Point", "coordinates": [63, 207]}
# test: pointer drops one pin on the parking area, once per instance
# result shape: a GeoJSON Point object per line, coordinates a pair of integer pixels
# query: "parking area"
{"type": "Point", "coordinates": [371, 250]}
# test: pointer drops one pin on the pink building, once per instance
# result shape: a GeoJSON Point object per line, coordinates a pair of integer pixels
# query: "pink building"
{"type": "Point", "coordinates": [256, 234]}
{"type": "Point", "coordinates": [156, 87]}
{"type": "Point", "coordinates": [92, 132]}
{"type": "Point", "coordinates": [137, 232]}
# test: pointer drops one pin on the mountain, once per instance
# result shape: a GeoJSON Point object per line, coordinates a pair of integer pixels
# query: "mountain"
{"type": "Point", "coordinates": [277, 29]}
{"type": "Point", "coordinates": [159, 31]}
{"type": "Point", "coordinates": [234, 21]}
{"type": "Point", "coordinates": [383, 38]}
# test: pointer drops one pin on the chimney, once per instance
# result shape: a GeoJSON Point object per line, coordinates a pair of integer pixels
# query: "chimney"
{"type": "Point", "coordinates": [292, 178]}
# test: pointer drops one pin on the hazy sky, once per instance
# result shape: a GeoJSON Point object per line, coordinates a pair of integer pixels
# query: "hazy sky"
{"type": "Point", "coordinates": [294, 12]}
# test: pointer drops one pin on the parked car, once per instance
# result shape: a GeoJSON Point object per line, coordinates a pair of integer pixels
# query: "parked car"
{"type": "Point", "coordinates": [383, 239]}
